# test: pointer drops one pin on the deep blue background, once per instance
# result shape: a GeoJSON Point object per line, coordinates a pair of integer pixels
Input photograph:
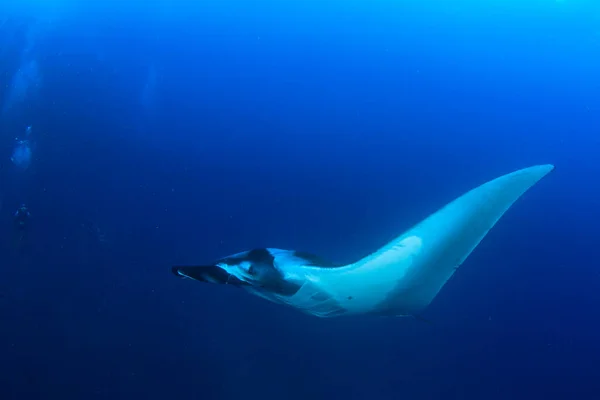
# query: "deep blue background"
{"type": "Point", "coordinates": [328, 127]}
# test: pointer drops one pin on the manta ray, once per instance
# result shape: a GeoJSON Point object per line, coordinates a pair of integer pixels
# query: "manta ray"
{"type": "Point", "coordinates": [400, 279]}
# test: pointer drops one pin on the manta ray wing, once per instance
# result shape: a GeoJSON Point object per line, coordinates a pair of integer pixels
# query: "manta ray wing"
{"type": "Point", "coordinates": [405, 275]}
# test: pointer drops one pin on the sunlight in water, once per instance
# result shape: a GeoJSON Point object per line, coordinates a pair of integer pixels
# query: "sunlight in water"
{"type": "Point", "coordinates": [24, 83]}
{"type": "Point", "coordinates": [21, 156]}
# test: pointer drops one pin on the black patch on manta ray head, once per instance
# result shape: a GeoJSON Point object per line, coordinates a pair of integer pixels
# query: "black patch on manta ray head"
{"type": "Point", "coordinates": [261, 256]}
{"type": "Point", "coordinates": [263, 272]}
{"type": "Point", "coordinates": [267, 276]}
{"type": "Point", "coordinates": [255, 256]}
{"type": "Point", "coordinates": [315, 261]}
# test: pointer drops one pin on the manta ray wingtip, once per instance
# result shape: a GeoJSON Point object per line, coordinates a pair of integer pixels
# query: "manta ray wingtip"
{"type": "Point", "coordinates": [547, 167]}
{"type": "Point", "coordinates": [542, 169]}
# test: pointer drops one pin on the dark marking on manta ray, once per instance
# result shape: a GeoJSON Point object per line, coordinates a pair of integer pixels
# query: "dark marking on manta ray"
{"type": "Point", "coordinates": [268, 277]}
{"type": "Point", "coordinates": [282, 287]}
{"type": "Point", "coordinates": [261, 256]}
{"type": "Point", "coordinates": [263, 272]}
{"type": "Point", "coordinates": [314, 260]}
{"type": "Point", "coordinates": [255, 256]}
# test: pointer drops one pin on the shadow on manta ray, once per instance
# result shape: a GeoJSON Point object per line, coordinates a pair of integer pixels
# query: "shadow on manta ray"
{"type": "Point", "coordinates": [400, 279]}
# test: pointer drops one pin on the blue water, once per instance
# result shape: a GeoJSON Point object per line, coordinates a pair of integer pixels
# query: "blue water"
{"type": "Point", "coordinates": [174, 133]}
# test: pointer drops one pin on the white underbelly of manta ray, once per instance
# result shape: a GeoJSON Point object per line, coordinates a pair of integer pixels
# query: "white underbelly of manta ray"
{"type": "Point", "coordinates": [399, 279]}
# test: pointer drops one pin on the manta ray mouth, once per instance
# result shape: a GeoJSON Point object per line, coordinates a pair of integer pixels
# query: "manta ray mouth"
{"type": "Point", "coordinates": [208, 274]}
